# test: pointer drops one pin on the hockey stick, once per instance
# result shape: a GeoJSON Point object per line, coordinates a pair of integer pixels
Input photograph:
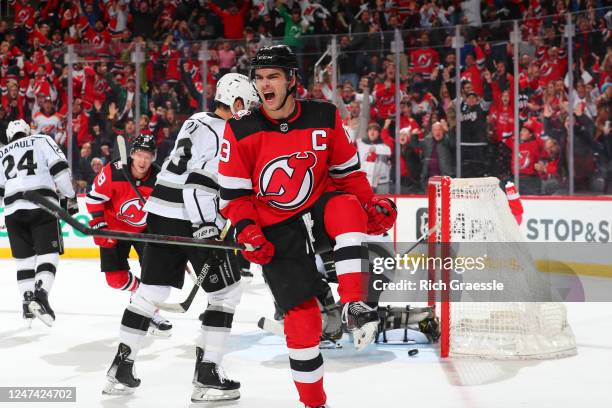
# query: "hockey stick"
{"type": "Point", "coordinates": [62, 214]}
{"type": "Point", "coordinates": [185, 304]}
{"type": "Point", "coordinates": [124, 168]}
{"type": "Point", "coordinates": [422, 239]}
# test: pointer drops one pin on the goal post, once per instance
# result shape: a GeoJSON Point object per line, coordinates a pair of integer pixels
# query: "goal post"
{"type": "Point", "coordinates": [476, 211]}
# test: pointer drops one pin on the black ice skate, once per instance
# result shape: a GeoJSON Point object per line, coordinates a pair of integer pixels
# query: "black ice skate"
{"type": "Point", "coordinates": [210, 383]}
{"type": "Point", "coordinates": [332, 326]}
{"type": "Point", "coordinates": [362, 321]}
{"type": "Point", "coordinates": [121, 375]}
{"type": "Point", "coordinates": [160, 326]}
{"type": "Point", "coordinates": [28, 296]}
{"type": "Point", "coordinates": [39, 306]}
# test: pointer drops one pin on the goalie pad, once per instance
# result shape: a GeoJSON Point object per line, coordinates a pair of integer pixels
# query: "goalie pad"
{"type": "Point", "coordinates": [407, 325]}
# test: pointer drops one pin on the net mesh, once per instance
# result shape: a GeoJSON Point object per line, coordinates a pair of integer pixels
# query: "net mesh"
{"type": "Point", "coordinates": [479, 212]}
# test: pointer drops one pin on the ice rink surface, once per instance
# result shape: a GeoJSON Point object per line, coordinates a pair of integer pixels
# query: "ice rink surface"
{"type": "Point", "coordinates": [78, 350]}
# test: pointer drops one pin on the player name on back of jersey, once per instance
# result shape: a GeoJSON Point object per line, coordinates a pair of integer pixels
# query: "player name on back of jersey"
{"type": "Point", "coordinates": [22, 144]}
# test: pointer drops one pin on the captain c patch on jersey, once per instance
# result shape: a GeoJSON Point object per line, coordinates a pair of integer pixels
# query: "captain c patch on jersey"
{"type": "Point", "coordinates": [287, 181]}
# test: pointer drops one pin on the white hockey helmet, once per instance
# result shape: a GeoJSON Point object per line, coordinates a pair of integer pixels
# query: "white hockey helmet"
{"type": "Point", "coordinates": [17, 126]}
{"type": "Point", "coordinates": [232, 86]}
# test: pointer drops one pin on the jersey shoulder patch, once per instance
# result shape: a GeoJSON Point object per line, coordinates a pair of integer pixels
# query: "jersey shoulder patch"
{"type": "Point", "coordinates": [248, 124]}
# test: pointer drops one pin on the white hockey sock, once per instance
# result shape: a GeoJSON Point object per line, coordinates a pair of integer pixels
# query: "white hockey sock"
{"type": "Point", "coordinates": [25, 274]}
{"type": "Point", "coordinates": [212, 340]}
{"type": "Point", "coordinates": [46, 266]}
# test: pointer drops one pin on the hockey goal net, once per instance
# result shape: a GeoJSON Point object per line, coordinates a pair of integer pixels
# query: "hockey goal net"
{"type": "Point", "coordinates": [476, 210]}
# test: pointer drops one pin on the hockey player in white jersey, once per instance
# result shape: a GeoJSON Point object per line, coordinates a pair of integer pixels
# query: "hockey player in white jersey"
{"type": "Point", "coordinates": [184, 202]}
{"type": "Point", "coordinates": [34, 163]}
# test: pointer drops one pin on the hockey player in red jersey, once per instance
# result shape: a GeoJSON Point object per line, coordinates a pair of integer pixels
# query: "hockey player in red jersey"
{"type": "Point", "coordinates": [113, 204]}
{"type": "Point", "coordinates": [290, 182]}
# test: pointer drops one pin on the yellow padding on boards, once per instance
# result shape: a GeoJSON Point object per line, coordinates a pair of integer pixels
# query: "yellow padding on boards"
{"type": "Point", "coordinates": [71, 253]}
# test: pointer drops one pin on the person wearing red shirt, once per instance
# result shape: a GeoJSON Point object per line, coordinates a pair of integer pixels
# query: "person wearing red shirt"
{"type": "Point", "coordinates": [233, 19]}
{"type": "Point", "coordinates": [424, 59]}
{"type": "Point", "coordinates": [384, 93]}
{"type": "Point", "coordinates": [287, 165]}
{"type": "Point", "coordinates": [472, 74]}
{"type": "Point", "coordinates": [528, 155]}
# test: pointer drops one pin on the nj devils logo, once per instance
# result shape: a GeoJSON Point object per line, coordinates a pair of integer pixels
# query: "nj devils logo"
{"type": "Point", "coordinates": [286, 182]}
{"type": "Point", "coordinates": [131, 213]}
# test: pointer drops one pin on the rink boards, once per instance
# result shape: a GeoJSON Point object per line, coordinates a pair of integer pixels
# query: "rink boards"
{"type": "Point", "coordinates": [546, 219]}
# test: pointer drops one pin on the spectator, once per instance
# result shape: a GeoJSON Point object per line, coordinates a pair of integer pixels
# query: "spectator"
{"type": "Point", "coordinates": [529, 156]}
{"type": "Point", "coordinates": [83, 167]}
{"type": "Point", "coordinates": [47, 122]}
{"type": "Point", "coordinates": [474, 138]}
{"type": "Point", "coordinates": [437, 153]}
{"type": "Point", "coordinates": [126, 99]}
{"type": "Point", "coordinates": [548, 168]}
{"type": "Point", "coordinates": [374, 156]}
{"type": "Point", "coordinates": [233, 19]}
{"type": "Point", "coordinates": [143, 19]}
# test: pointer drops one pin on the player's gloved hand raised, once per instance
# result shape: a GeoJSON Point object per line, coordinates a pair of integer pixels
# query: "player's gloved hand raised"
{"type": "Point", "coordinates": [100, 224]}
{"type": "Point", "coordinates": [71, 205]}
{"type": "Point", "coordinates": [208, 230]}
{"type": "Point", "coordinates": [382, 214]}
{"type": "Point", "coordinates": [252, 235]}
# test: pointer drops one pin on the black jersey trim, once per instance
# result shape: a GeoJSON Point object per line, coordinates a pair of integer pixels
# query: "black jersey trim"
{"type": "Point", "coordinates": [173, 195]}
{"type": "Point", "coordinates": [229, 194]}
{"type": "Point", "coordinates": [58, 168]}
{"type": "Point", "coordinates": [345, 171]}
{"type": "Point", "coordinates": [201, 180]}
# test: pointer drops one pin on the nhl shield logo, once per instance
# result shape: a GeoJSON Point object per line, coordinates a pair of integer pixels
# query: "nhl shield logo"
{"type": "Point", "coordinates": [213, 279]}
{"type": "Point", "coordinates": [284, 127]}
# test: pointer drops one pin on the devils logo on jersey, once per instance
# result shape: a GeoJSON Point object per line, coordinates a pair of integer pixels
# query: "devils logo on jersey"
{"type": "Point", "coordinates": [131, 213]}
{"type": "Point", "coordinates": [286, 182]}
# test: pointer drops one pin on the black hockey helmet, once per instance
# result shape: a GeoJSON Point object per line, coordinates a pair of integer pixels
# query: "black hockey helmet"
{"type": "Point", "coordinates": [275, 56]}
{"type": "Point", "coordinates": [144, 142]}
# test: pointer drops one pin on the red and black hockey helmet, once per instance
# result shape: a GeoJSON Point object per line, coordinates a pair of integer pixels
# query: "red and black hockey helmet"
{"type": "Point", "coordinates": [274, 56]}
{"type": "Point", "coordinates": [144, 142]}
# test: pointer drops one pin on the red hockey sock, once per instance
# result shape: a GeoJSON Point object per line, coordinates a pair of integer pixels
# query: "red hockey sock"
{"type": "Point", "coordinates": [122, 280]}
{"type": "Point", "coordinates": [303, 333]}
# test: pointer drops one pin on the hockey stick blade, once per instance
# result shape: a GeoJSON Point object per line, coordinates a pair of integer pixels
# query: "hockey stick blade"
{"type": "Point", "coordinates": [58, 212]}
{"type": "Point", "coordinates": [184, 305]}
{"type": "Point", "coordinates": [271, 326]}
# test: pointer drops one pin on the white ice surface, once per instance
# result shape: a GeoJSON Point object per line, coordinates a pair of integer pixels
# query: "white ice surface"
{"type": "Point", "coordinates": [79, 348]}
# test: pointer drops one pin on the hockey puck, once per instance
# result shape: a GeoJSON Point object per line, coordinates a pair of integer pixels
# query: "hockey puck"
{"type": "Point", "coordinates": [413, 352]}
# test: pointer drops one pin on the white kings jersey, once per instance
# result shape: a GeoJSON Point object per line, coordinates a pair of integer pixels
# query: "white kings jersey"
{"type": "Point", "coordinates": [33, 163]}
{"type": "Point", "coordinates": [187, 186]}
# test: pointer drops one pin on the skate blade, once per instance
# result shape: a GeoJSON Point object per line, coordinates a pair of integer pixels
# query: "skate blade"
{"type": "Point", "coordinates": [36, 310]}
{"type": "Point", "coordinates": [330, 345]}
{"type": "Point", "coordinates": [115, 388]}
{"type": "Point", "coordinates": [204, 394]}
{"type": "Point", "coordinates": [164, 334]}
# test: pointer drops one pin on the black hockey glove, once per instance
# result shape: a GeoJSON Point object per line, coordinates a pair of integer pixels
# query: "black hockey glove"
{"type": "Point", "coordinates": [208, 230]}
{"type": "Point", "coordinates": [70, 204]}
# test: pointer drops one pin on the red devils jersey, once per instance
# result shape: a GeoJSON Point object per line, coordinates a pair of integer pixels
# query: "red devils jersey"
{"type": "Point", "coordinates": [270, 170]}
{"type": "Point", "coordinates": [112, 197]}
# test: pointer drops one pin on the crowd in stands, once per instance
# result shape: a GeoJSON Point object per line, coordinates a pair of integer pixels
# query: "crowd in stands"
{"type": "Point", "coordinates": [104, 33]}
